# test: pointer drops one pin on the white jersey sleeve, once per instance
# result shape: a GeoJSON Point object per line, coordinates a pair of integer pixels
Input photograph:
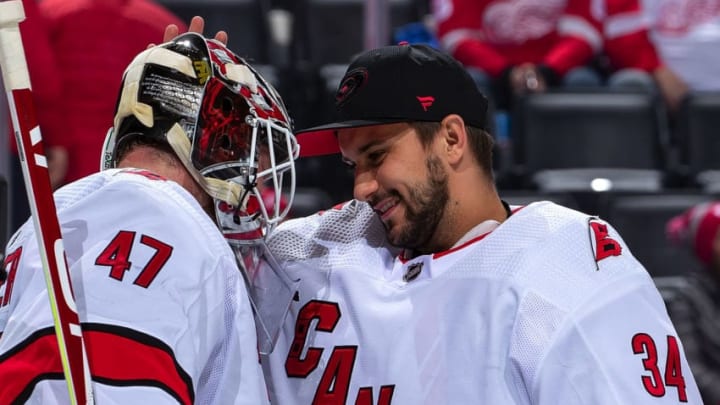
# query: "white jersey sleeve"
{"type": "Point", "coordinates": [617, 351]}
{"type": "Point", "coordinates": [615, 343]}
{"type": "Point", "coordinates": [163, 307]}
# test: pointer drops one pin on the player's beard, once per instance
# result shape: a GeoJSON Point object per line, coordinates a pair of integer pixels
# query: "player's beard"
{"type": "Point", "coordinates": [424, 209]}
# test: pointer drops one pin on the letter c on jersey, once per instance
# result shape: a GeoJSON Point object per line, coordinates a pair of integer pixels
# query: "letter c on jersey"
{"type": "Point", "coordinates": [327, 315]}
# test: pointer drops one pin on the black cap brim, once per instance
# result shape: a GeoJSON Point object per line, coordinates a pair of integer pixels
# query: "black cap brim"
{"type": "Point", "coordinates": [322, 140]}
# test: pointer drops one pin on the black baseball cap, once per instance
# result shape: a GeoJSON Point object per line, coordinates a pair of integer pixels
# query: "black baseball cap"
{"type": "Point", "coordinates": [398, 83]}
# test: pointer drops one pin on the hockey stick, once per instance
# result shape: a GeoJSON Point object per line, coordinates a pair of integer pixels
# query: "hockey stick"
{"type": "Point", "coordinates": [37, 182]}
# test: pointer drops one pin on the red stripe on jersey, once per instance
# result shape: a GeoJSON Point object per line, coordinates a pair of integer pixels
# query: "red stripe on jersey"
{"type": "Point", "coordinates": [35, 359]}
{"type": "Point", "coordinates": [118, 356]}
{"type": "Point", "coordinates": [456, 248]}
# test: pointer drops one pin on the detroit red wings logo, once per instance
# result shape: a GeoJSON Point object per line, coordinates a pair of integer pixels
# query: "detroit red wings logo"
{"type": "Point", "coordinates": [603, 245]}
{"type": "Point", "coordinates": [517, 21]}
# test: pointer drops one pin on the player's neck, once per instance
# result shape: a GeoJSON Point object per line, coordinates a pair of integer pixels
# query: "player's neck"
{"type": "Point", "coordinates": [168, 166]}
{"type": "Point", "coordinates": [473, 201]}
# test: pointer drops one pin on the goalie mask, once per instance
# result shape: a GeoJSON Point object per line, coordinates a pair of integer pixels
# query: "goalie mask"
{"type": "Point", "coordinates": [227, 125]}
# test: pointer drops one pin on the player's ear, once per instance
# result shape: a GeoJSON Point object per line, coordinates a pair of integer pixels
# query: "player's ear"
{"type": "Point", "coordinates": [454, 137]}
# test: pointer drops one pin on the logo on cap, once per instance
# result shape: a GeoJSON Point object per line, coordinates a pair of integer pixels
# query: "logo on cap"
{"type": "Point", "coordinates": [426, 101]}
{"type": "Point", "coordinates": [352, 81]}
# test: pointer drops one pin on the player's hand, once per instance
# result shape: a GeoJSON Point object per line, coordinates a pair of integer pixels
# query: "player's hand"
{"type": "Point", "coordinates": [197, 24]}
{"type": "Point", "coordinates": [526, 78]}
{"type": "Point", "coordinates": [58, 162]}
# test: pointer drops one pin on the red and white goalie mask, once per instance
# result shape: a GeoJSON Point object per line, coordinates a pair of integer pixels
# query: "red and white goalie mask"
{"type": "Point", "coordinates": [227, 125]}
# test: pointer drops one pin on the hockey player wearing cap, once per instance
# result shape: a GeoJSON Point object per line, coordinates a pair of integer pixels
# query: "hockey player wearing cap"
{"type": "Point", "coordinates": [163, 306]}
{"type": "Point", "coordinates": [429, 289]}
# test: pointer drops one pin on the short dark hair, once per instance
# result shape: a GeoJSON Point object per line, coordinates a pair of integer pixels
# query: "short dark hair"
{"type": "Point", "coordinates": [132, 142]}
{"type": "Point", "coordinates": [481, 142]}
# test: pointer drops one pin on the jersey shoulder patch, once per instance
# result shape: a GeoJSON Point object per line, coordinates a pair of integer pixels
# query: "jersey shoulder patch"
{"type": "Point", "coordinates": [602, 244]}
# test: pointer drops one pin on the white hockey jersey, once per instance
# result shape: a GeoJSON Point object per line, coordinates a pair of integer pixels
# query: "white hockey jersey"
{"type": "Point", "coordinates": [548, 308]}
{"type": "Point", "coordinates": [164, 309]}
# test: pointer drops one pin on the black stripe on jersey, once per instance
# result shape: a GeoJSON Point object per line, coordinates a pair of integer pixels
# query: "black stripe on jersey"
{"type": "Point", "coordinates": [118, 356]}
{"type": "Point", "coordinates": [25, 393]}
{"type": "Point", "coordinates": [147, 341]}
{"type": "Point", "coordinates": [20, 346]}
{"type": "Point", "coordinates": [14, 394]}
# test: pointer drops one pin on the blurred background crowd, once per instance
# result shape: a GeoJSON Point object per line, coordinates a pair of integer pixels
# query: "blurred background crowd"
{"type": "Point", "coordinates": [607, 106]}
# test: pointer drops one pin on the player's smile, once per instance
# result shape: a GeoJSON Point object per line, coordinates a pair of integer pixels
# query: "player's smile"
{"type": "Point", "coordinates": [386, 207]}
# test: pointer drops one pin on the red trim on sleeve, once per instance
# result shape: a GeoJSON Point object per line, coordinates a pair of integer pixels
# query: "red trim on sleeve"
{"type": "Point", "coordinates": [118, 356]}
